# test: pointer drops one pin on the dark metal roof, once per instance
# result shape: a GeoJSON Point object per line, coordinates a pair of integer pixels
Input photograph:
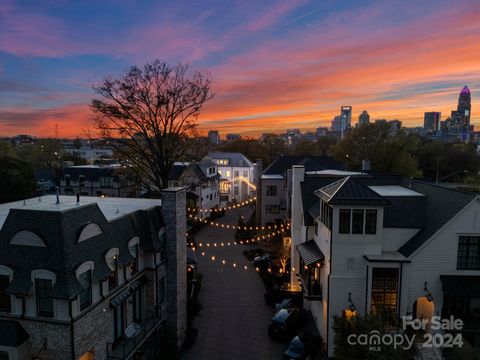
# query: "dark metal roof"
{"type": "Point", "coordinates": [63, 253]}
{"type": "Point", "coordinates": [348, 191]}
{"type": "Point", "coordinates": [311, 163]}
{"type": "Point", "coordinates": [461, 285]}
{"type": "Point", "coordinates": [310, 252]}
{"type": "Point", "coordinates": [91, 173]}
{"type": "Point", "coordinates": [12, 334]}
{"type": "Point", "coordinates": [177, 170]}
{"type": "Point", "coordinates": [442, 204]}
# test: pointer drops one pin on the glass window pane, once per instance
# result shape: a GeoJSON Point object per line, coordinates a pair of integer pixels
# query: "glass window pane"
{"type": "Point", "coordinates": [371, 222]}
{"type": "Point", "coordinates": [357, 221]}
{"type": "Point", "coordinates": [344, 226]}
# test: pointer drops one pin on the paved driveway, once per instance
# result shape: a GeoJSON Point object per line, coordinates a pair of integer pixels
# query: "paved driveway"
{"type": "Point", "coordinates": [234, 318]}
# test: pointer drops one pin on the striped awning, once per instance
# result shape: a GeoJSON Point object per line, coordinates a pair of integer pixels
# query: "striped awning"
{"type": "Point", "coordinates": [310, 253]}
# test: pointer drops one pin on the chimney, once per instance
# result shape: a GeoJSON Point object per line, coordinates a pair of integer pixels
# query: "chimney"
{"type": "Point", "coordinates": [258, 192]}
{"type": "Point", "coordinates": [57, 191]}
{"type": "Point", "coordinates": [366, 165]}
{"type": "Point", "coordinates": [175, 218]}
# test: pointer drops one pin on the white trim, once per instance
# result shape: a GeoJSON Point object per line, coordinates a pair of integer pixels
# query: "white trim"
{"type": "Point", "coordinates": [5, 270]}
{"type": "Point", "coordinates": [86, 266]}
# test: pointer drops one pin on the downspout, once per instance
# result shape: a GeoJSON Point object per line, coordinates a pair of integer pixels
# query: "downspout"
{"type": "Point", "coordinates": [328, 287]}
{"type": "Point", "coordinates": [399, 293]}
{"type": "Point", "coordinates": [72, 337]}
{"type": "Point", "coordinates": [366, 292]}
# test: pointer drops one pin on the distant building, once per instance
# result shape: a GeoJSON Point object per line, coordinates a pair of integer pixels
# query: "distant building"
{"type": "Point", "coordinates": [232, 137]}
{"type": "Point", "coordinates": [98, 180]}
{"type": "Point", "coordinates": [201, 181]}
{"type": "Point", "coordinates": [431, 121]}
{"type": "Point", "coordinates": [92, 278]}
{"type": "Point", "coordinates": [364, 118]}
{"type": "Point", "coordinates": [292, 136]}
{"type": "Point", "coordinates": [337, 124]}
{"type": "Point", "coordinates": [310, 136]}
{"type": "Point", "coordinates": [394, 125]}
{"type": "Point", "coordinates": [345, 118]}
{"type": "Point", "coordinates": [214, 137]}
{"type": "Point", "coordinates": [237, 178]}
{"type": "Point", "coordinates": [22, 140]}
{"type": "Point", "coordinates": [321, 131]}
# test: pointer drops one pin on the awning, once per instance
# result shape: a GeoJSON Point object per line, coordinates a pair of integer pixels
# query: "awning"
{"type": "Point", "coordinates": [310, 253]}
{"type": "Point", "coordinates": [461, 285]}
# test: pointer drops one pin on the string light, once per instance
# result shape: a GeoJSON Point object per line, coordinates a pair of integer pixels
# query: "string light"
{"type": "Point", "coordinates": [225, 208]}
{"type": "Point", "coordinates": [280, 227]}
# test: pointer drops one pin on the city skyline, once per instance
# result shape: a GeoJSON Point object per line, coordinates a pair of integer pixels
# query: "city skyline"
{"type": "Point", "coordinates": [274, 65]}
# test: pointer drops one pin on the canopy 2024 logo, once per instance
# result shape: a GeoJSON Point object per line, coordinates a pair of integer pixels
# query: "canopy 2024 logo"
{"type": "Point", "coordinates": [374, 340]}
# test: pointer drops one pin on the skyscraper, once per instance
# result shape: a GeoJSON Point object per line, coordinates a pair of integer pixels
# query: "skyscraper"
{"type": "Point", "coordinates": [363, 118]}
{"type": "Point", "coordinates": [345, 118]}
{"type": "Point", "coordinates": [214, 136]}
{"type": "Point", "coordinates": [431, 121]}
{"type": "Point", "coordinates": [461, 117]}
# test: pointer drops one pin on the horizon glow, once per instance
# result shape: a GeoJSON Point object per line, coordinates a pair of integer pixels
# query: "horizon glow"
{"type": "Point", "coordinates": [274, 64]}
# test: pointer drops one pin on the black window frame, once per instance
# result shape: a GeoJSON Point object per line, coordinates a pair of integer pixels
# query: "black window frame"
{"type": "Point", "coordinates": [384, 285]}
{"type": "Point", "coordinates": [371, 221]}
{"type": "Point", "coordinates": [87, 301]}
{"type": "Point", "coordinates": [113, 275]}
{"type": "Point", "coordinates": [357, 221]}
{"type": "Point", "coordinates": [271, 190]}
{"type": "Point", "coordinates": [468, 254]}
{"type": "Point", "coordinates": [134, 263]}
{"type": "Point", "coordinates": [43, 296]}
{"type": "Point", "coordinates": [269, 209]}
{"type": "Point", "coordinates": [344, 222]}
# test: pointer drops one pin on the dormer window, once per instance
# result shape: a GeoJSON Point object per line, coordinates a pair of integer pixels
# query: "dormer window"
{"type": "Point", "coordinates": [85, 297]}
{"type": "Point", "coordinates": [44, 298]}
{"type": "Point", "coordinates": [133, 248]}
{"type": "Point", "coordinates": [113, 276]}
{"type": "Point", "coordinates": [5, 300]}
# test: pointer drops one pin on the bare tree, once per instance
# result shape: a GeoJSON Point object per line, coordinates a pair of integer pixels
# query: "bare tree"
{"type": "Point", "coordinates": [285, 253]}
{"type": "Point", "coordinates": [147, 114]}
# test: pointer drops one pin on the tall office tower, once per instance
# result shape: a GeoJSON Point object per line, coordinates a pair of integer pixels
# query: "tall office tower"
{"type": "Point", "coordinates": [464, 108]}
{"type": "Point", "coordinates": [346, 118]}
{"type": "Point", "coordinates": [214, 136]}
{"type": "Point", "coordinates": [337, 124]}
{"type": "Point", "coordinates": [363, 118]}
{"type": "Point", "coordinates": [431, 121]}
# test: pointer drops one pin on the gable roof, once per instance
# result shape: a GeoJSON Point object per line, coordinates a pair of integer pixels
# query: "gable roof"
{"type": "Point", "coordinates": [348, 191]}
{"type": "Point", "coordinates": [441, 206]}
{"type": "Point", "coordinates": [235, 159]}
{"type": "Point", "coordinates": [311, 163]}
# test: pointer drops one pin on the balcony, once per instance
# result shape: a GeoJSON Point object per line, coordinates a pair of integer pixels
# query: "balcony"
{"type": "Point", "coordinates": [127, 347]}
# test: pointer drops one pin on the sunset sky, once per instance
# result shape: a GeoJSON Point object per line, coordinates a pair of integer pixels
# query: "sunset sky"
{"type": "Point", "coordinates": [274, 64]}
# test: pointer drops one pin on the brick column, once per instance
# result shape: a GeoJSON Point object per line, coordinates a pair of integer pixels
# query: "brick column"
{"type": "Point", "coordinates": [174, 216]}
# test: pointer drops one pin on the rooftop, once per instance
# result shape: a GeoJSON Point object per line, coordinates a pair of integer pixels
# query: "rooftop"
{"type": "Point", "coordinates": [394, 190]}
{"type": "Point", "coordinates": [112, 208]}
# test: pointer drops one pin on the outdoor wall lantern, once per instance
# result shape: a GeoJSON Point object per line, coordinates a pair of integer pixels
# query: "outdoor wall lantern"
{"type": "Point", "coordinates": [428, 295]}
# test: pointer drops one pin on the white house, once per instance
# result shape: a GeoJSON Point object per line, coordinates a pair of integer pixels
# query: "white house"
{"type": "Point", "coordinates": [367, 243]}
{"type": "Point", "coordinates": [237, 179]}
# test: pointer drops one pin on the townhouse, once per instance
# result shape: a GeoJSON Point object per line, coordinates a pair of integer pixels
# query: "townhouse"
{"type": "Point", "coordinates": [364, 244]}
{"type": "Point", "coordinates": [92, 278]}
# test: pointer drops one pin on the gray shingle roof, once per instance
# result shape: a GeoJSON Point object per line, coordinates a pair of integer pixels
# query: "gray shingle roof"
{"type": "Point", "coordinates": [234, 159]}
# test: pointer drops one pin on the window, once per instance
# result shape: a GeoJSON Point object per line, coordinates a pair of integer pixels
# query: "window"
{"type": "Point", "coordinates": [235, 190]}
{"type": "Point", "coordinates": [271, 190]}
{"type": "Point", "coordinates": [85, 296]}
{"type": "Point", "coordinates": [118, 321]}
{"type": "Point", "coordinates": [245, 174]}
{"type": "Point", "coordinates": [137, 306]}
{"type": "Point", "coordinates": [272, 209]}
{"type": "Point", "coordinates": [357, 221]}
{"type": "Point", "coordinates": [43, 289]}
{"type": "Point", "coordinates": [228, 173]}
{"type": "Point", "coordinates": [81, 180]}
{"type": "Point", "coordinates": [106, 181]}
{"type": "Point", "coordinates": [468, 256]}
{"type": "Point", "coordinates": [113, 276]}
{"type": "Point", "coordinates": [384, 290]}
{"type": "Point", "coordinates": [134, 251]}
{"type": "Point", "coordinates": [220, 172]}
{"type": "Point", "coordinates": [344, 222]}
{"type": "Point", "coordinates": [222, 162]}
{"type": "Point", "coordinates": [161, 290]}
{"type": "Point", "coordinates": [5, 301]}
{"type": "Point", "coordinates": [67, 180]}
{"type": "Point", "coordinates": [326, 215]}
{"type": "Point", "coordinates": [236, 173]}
{"type": "Point", "coordinates": [371, 222]}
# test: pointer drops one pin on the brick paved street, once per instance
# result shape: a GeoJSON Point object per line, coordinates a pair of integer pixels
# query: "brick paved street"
{"type": "Point", "coordinates": [234, 318]}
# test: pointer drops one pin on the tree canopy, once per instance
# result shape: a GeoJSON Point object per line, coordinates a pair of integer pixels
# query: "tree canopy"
{"type": "Point", "coordinates": [147, 114]}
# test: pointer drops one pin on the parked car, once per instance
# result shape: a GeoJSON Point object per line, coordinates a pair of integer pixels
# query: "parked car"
{"type": "Point", "coordinates": [302, 347]}
{"type": "Point", "coordinates": [285, 323]}
{"type": "Point", "coordinates": [275, 296]}
{"type": "Point", "coordinates": [263, 261]}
